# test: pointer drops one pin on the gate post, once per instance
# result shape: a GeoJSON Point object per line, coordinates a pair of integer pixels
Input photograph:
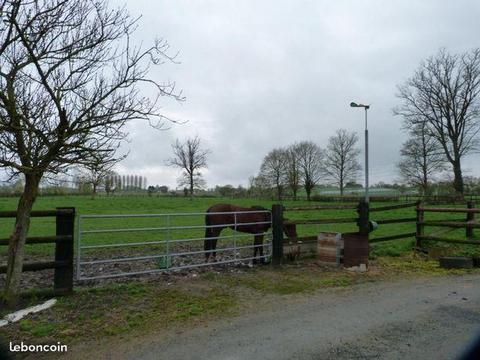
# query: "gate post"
{"type": "Point", "coordinates": [470, 217]}
{"type": "Point", "coordinates": [277, 234]}
{"type": "Point", "coordinates": [363, 218]}
{"type": "Point", "coordinates": [420, 226]}
{"type": "Point", "coordinates": [63, 276]}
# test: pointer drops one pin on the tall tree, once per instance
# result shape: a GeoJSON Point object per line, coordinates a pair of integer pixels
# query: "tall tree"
{"type": "Point", "coordinates": [70, 79]}
{"type": "Point", "coordinates": [273, 170]}
{"type": "Point", "coordinates": [310, 158]}
{"type": "Point", "coordinates": [422, 158]}
{"type": "Point", "coordinates": [341, 158]}
{"type": "Point", "coordinates": [444, 93]}
{"type": "Point", "coordinates": [190, 157]}
{"type": "Point", "coordinates": [293, 170]}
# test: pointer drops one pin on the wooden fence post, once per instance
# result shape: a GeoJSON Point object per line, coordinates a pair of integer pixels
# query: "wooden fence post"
{"type": "Point", "coordinates": [277, 232]}
{"type": "Point", "coordinates": [363, 218]}
{"type": "Point", "coordinates": [420, 227]}
{"type": "Point", "coordinates": [470, 217]}
{"type": "Point", "coordinates": [63, 277]}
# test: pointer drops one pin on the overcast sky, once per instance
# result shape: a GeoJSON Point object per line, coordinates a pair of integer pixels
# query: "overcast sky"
{"type": "Point", "coordinates": [264, 74]}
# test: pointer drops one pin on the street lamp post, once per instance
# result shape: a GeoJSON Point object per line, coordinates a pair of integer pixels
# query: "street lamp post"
{"type": "Point", "coordinates": [366, 107]}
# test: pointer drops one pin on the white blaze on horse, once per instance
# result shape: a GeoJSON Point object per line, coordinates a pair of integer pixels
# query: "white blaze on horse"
{"type": "Point", "coordinates": [254, 220]}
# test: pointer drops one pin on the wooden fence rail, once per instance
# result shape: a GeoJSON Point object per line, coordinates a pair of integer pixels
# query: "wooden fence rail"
{"type": "Point", "coordinates": [324, 221]}
{"type": "Point", "coordinates": [394, 207]}
{"type": "Point", "coordinates": [468, 223]}
{"type": "Point", "coordinates": [365, 225]}
{"type": "Point", "coordinates": [63, 240]}
{"type": "Point", "coordinates": [321, 207]}
{"type": "Point", "coordinates": [278, 241]}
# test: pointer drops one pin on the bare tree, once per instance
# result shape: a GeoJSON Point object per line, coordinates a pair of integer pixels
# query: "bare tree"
{"type": "Point", "coordinates": [422, 158]}
{"type": "Point", "coordinates": [341, 158]}
{"type": "Point", "coordinates": [310, 157]}
{"type": "Point", "coordinates": [70, 80]}
{"type": "Point", "coordinates": [293, 170]}
{"type": "Point", "coordinates": [190, 158]}
{"type": "Point", "coordinates": [99, 168]}
{"type": "Point", "coordinates": [444, 93]}
{"type": "Point", "coordinates": [273, 170]}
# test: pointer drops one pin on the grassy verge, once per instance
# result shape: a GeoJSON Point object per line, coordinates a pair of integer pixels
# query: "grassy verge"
{"type": "Point", "coordinates": [159, 304]}
{"type": "Point", "coordinates": [118, 309]}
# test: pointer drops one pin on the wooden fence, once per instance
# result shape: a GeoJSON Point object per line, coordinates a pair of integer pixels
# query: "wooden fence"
{"type": "Point", "coordinates": [63, 240]}
{"type": "Point", "coordinates": [468, 222]}
{"type": "Point", "coordinates": [362, 220]}
{"type": "Point", "coordinates": [278, 242]}
{"type": "Point", "coordinates": [399, 220]}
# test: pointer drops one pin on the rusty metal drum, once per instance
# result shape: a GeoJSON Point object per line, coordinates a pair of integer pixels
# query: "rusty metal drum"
{"type": "Point", "coordinates": [329, 248]}
{"type": "Point", "coordinates": [356, 249]}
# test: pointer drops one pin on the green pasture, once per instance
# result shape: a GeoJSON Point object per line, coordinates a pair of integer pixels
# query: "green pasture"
{"type": "Point", "coordinates": [173, 205]}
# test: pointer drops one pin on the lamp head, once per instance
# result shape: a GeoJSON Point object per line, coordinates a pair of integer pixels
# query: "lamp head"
{"type": "Point", "coordinates": [354, 104]}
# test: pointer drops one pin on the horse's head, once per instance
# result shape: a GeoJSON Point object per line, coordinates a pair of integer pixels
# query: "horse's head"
{"type": "Point", "coordinates": [264, 212]}
{"type": "Point", "coordinates": [290, 229]}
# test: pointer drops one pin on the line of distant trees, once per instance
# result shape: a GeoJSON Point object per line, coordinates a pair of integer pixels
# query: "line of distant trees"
{"type": "Point", "coordinates": [305, 164]}
{"type": "Point", "coordinates": [111, 182]}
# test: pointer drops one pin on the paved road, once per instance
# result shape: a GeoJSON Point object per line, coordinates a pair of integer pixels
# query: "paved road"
{"type": "Point", "coordinates": [420, 319]}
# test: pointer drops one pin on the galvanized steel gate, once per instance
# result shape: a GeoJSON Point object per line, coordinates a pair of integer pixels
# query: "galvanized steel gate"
{"type": "Point", "coordinates": [111, 246]}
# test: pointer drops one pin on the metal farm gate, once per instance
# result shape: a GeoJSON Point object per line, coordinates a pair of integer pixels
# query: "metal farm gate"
{"type": "Point", "coordinates": [111, 246]}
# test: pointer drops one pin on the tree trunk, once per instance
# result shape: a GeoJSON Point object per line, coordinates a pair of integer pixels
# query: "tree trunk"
{"type": "Point", "coordinates": [458, 180]}
{"type": "Point", "coordinates": [16, 246]}
{"type": "Point", "coordinates": [341, 184]}
{"type": "Point", "coordinates": [94, 190]}
{"type": "Point", "coordinates": [308, 190]}
{"type": "Point", "coordinates": [279, 193]}
{"type": "Point", "coordinates": [294, 190]}
{"type": "Point", "coordinates": [191, 187]}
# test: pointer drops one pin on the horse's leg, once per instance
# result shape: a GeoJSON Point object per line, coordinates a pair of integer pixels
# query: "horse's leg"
{"type": "Point", "coordinates": [214, 243]}
{"type": "Point", "coordinates": [214, 234]}
{"type": "Point", "coordinates": [207, 243]}
{"type": "Point", "coordinates": [260, 249]}
{"type": "Point", "coordinates": [258, 239]}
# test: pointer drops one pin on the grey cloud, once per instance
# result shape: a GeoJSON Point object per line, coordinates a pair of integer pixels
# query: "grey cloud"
{"type": "Point", "coordinates": [263, 74]}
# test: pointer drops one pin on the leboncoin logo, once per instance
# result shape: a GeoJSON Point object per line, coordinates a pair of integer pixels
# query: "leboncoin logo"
{"type": "Point", "coordinates": [58, 347]}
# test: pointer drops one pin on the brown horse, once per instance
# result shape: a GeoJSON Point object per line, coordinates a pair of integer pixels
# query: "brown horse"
{"type": "Point", "coordinates": [253, 220]}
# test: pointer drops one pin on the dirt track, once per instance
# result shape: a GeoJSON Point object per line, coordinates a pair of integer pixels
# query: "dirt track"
{"type": "Point", "coordinates": [416, 319]}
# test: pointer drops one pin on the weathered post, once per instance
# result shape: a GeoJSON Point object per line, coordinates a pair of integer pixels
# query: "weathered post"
{"type": "Point", "coordinates": [277, 233]}
{"type": "Point", "coordinates": [420, 226]}
{"type": "Point", "coordinates": [63, 277]}
{"type": "Point", "coordinates": [363, 218]}
{"type": "Point", "coordinates": [470, 218]}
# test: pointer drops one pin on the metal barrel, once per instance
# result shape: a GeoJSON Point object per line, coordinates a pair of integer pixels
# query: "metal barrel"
{"type": "Point", "coordinates": [356, 249]}
{"type": "Point", "coordinates": [327, 248]}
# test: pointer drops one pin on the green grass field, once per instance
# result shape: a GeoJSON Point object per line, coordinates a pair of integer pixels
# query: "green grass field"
{"type": "Point", "coordinates": [107, 308]}
{"type": "Point", "coordinates": [170, 205]}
